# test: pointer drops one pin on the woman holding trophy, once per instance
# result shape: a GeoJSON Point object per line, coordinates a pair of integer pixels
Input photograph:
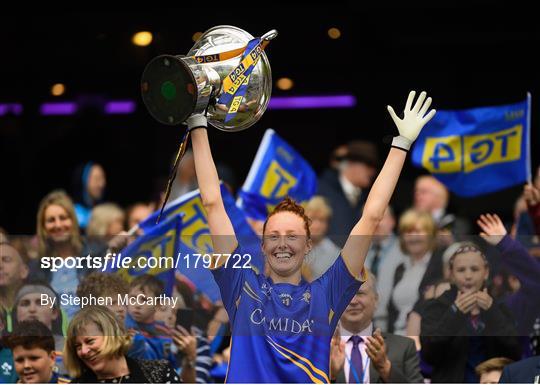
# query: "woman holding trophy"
{"type": "Point", "coordinates": [282, 325]}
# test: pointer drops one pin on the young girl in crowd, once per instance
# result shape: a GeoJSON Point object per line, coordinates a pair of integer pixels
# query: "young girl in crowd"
{"type": "Point", "coordinates": [464, 326]}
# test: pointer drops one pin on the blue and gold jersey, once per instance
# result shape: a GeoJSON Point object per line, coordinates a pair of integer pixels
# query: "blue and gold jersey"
{"type": "Point", "coordinates": [281, 332]}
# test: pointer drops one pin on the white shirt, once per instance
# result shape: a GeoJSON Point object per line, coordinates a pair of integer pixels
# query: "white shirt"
{"type": "Point", "coordinates": [351, 191]}
{"type": "Point", "coordinates": [345, 337]}
{"type": "Point", "coordinates": [405, 292]}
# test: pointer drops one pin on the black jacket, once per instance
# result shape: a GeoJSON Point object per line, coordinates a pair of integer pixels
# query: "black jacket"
{"type": "Point", "coordinates": [446, 334]}
{"type": "Point", "coordinates": [140, 372]}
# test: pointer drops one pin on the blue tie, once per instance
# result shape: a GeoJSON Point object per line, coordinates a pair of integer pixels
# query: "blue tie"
{"type": "Point", "coordinates": [356, 370]}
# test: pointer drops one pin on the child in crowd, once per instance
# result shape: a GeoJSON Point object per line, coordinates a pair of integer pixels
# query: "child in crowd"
{"type": "Point", "coordinates": [465, 326]}
{"type": "Point", "coordinates": [141, 318]}
{"type": "Point", "coordinates": [29, 307]}
{"type": "Point", "coordinates": [161, 342]}
{"type": "Point", "coordinates": [191, 345]}
{"type": "Point", "coordinates": [33, 347]}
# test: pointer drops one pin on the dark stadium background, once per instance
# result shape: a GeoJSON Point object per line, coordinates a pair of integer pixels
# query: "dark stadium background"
{"type": "Point", "coordinates": [480, 55]}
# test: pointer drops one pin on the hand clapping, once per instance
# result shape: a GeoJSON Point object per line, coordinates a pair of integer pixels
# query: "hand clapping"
{"type": "Point", "coordinates": [467, 302]}
{"type": "Point", "coordinates": [376, 350]}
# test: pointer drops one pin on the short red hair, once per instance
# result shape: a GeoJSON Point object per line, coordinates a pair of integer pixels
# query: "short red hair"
{"type": "Point", "coordinates": [289, 205]}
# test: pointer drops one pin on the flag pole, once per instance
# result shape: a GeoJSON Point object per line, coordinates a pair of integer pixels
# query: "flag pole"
{"type": "Point", "coordinates": [133, 230]}
{"type": "Point", "coordinates": [529, 108]}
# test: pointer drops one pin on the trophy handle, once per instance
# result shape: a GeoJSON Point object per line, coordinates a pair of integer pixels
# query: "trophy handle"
{"type": "Point", "coordinates": [270, 35]}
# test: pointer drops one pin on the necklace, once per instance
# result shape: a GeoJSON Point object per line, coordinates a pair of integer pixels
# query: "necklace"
{"type": "Point", "coordinates": [116, 380]}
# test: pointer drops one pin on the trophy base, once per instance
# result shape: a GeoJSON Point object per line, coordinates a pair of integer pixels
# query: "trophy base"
{"type": "Point", "coordinates": [169, 90]}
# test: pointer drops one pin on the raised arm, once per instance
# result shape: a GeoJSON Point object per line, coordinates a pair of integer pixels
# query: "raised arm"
{"type": "Point", "coordinates": [221, 228]}
{"type": "Point", "coordinates": [516, 257]}
{"type": "Point", "coordinates": [357, 245]}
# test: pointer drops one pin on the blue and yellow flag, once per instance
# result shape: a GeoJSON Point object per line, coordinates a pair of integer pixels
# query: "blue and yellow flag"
{"type": "Point", "coordinates": [196, 240]}
{"type": "Point", "coordinates": [155, 252]}
{"type": "Point", "coordinates": [278, 171]}
{"type": "Point", "coordinates": [477, 151]}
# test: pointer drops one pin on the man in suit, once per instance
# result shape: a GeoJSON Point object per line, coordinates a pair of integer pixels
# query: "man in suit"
{"type": "Point", "coordinates": [346, 188]}
{"type": "Point", "coordinates": [362, 355]}
{"type": "Point", "coordinates": [525, 372]}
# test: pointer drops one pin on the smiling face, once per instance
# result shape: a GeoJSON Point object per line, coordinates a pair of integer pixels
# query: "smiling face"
{"type": "Point", "coordinates": [359, 313]}
{"type": "Point", "coordinates": [88, 347]}
{"type": "Point", "coordinates": [33, 366]}
{"type": "Point", "coordinates": [469, 271]}
{"type": "Point", "coordinates": [285, 243]}
{"type": "Point", "coordinates": [58, 224]}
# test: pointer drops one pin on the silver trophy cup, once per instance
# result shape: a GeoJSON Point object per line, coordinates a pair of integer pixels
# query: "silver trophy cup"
{"type": "Point", "coordinates": [176, 86]}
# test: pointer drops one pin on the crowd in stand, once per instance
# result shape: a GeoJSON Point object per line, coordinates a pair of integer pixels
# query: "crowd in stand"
{"type": "Point", "coordinates": [441, 304]}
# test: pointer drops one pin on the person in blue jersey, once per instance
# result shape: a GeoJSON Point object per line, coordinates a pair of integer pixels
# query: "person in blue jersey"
{"type": "Point", "coordinates": [281, 325]}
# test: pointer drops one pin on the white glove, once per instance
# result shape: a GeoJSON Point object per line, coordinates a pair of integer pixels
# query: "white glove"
{"type": "Point", "coordinates": [196, 121]}
{"type": "Point", "coordinates": [413, 120]}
